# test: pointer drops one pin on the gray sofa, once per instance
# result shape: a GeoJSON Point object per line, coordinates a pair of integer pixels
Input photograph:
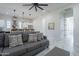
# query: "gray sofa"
{"type": "Point", "coordinates": [27, 49]}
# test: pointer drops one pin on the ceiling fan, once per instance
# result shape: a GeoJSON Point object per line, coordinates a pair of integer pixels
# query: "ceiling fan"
{"type": "Point", "coordinates": [36, 5]}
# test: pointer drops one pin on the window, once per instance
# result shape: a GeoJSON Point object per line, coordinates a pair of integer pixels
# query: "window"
{"type": "Point", "coordinates": [20, 25]}
{"type": "Point", "coordinates": [8, 24]}
{"type": "Point", "coordinates": [2, 23]}
{"type": "Point", "coordinates": [24, 24]}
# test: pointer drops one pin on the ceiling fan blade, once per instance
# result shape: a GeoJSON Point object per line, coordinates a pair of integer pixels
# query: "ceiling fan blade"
{"type": "Point", "coordinates": [35, 8]}
{"type": "Point", "coordinates": [27, 4]}
{"type": "Point", "coordinates": [40, 8]}
{"type": "Point", "coordinates": [43, 4]}
{"type": "Point", "coordinates": [31, 7]}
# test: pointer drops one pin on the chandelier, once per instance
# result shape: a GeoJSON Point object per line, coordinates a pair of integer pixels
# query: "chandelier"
{"type": "Point", "coordinates": [14, 14]}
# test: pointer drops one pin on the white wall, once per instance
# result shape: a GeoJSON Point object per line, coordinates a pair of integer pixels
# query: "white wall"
{"type": "Point", "coordinates": [41, 24]}
{"type": "Point", "coordinates": [56, 36]}
{"type": "Point", "coordinates": [76, 29]}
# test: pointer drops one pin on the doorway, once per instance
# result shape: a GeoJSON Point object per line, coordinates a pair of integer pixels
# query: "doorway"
{"type": "Point", "coordinates": [68, 33]}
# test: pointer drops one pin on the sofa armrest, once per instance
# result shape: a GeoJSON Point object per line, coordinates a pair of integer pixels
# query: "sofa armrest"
{"type": "Point", "coordinates": [1, 50]}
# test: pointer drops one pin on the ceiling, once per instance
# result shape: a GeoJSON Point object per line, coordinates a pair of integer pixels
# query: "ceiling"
{"type": "Point", "coordinates": [7, 9]}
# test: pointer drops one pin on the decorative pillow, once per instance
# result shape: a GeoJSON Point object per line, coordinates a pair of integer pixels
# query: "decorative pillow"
{"type": "Point", "coordinates": [40, 36]}
{"type": "Point", "coordinates": [19, 39]}
{"type": "Point", "coordinates": [32, 38]}
{"type": "Point", "coordinates": [35, 37]}
{"type": "Point", "coordinates": [13, 41]}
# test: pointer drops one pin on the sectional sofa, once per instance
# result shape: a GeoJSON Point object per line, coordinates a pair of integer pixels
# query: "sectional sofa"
{"type": "Point", "coordinates": [27, 49]}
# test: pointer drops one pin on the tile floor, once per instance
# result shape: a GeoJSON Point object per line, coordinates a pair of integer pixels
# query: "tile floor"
{"type": "Point", "coordinates": [64, 44]}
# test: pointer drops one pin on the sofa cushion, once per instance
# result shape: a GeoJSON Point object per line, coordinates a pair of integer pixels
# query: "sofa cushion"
{"type": "Point", "coordinates": [19, 39]}
{"type": "Point", "coordinates": [1, 51]}
{"type": "Point", "coordinates": [25, 37]}
{"type": "Point", "coordinates": [16, 51]}
{"type": "Point", "coordinates": [30, 46]}
{"type": "Point", "coordinates": [34, 45]}
{"type": "Point", "coordinates": [23, 49]}
{"type": "Point", "coordinates": [1, 39]}
{"type": "Point", "coordinates": [6, 41]}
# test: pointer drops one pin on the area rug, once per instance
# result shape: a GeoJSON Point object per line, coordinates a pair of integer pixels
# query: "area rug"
{"type": "Point", "coordinates": [58, 52]}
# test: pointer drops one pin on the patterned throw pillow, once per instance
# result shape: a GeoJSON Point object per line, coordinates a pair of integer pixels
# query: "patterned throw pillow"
{"type": "Point", "coordinates": [40, 36]}
{"type": "Point", "coordinates": [35, 37]}
{"type": "Point", "coordinates": [32, 38]}
{"type": "Point", "coordinates": [19, 39]}
{"type": "Point", "coordinates": [15, 40]}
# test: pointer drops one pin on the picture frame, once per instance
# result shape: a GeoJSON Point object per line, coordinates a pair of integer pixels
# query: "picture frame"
{"type": "Point", "coordinates": [51, 26]}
